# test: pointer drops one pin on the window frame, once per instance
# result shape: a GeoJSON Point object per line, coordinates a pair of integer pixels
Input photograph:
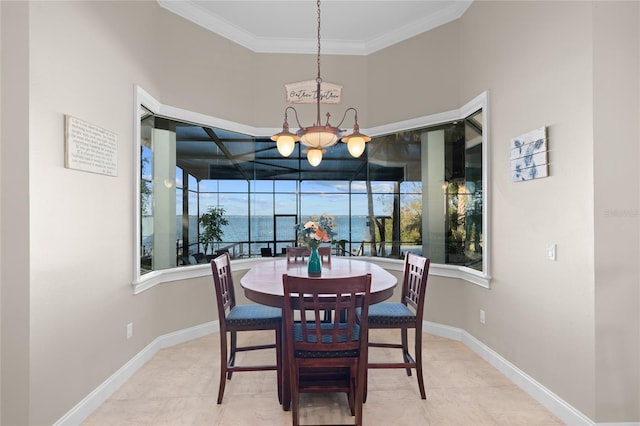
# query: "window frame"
{"type": "Point", "coordinates": [150, 279]}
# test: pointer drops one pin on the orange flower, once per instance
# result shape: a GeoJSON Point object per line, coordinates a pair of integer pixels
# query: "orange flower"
{"type": "Point", "coordinates": [322, 235]}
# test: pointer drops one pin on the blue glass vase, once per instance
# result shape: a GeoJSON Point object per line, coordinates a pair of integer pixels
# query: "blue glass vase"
{"type": "Point", "coordinates": [314, 266]}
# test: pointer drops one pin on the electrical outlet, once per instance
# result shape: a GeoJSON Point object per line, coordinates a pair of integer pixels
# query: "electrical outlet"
{"type": "Point", "coordinates": [129, 330]}
{"type": "Point", "coordinates": [482, 317]}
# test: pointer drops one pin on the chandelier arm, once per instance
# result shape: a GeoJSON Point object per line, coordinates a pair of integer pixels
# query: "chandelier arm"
{"type": "Point", "coordinates": [345, 116]}
{"type": "Point", "coordinates": [295, 113]}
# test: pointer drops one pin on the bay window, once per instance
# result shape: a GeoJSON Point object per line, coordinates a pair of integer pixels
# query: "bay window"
{"type": "Point", "coordinates": [419, 187]}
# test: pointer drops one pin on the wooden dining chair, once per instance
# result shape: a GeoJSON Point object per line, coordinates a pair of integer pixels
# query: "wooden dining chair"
{"type": "Point", "coordinates": [297, 254]}
{"type": "Point", "coordinates": [325, 254]}
{"type": "Point", "coordinates": [326, 357]}
{"type": "Point", "coordinates": [405, 314]}
{"type": "Point", "coordinates": [234, 318]}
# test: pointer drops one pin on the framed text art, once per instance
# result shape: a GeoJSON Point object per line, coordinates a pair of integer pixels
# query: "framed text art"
{"type": "Point", "coordinates": [90, 148]}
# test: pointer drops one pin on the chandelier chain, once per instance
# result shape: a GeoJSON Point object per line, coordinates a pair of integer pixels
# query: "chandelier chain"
{"type": "Point", "coordinates": [319, 136]}
{"type": "Point", "coordinates": [319, 79]}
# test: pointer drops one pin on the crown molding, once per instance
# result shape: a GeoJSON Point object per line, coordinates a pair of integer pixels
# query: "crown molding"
{"type": "Point", "coordinates": [192, 11]}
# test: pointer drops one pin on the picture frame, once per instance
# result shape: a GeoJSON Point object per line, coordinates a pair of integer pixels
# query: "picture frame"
{"type": "Point", "coordinates": [529, 156]}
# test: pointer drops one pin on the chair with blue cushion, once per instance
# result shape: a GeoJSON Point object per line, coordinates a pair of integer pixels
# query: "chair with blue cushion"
{"type": "Point", "coordinates": [405, 314]}
{"type": "Point", "coordinates": [234, 318]}
{"type": "Point", "coordinates": [326, 356]}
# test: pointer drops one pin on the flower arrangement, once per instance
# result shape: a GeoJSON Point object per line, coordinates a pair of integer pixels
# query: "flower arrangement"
{"type": "Point", "coordinates": [317, 230]}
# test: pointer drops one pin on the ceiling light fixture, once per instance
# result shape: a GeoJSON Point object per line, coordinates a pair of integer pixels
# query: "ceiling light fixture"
{"type": "Point", "coordinates": [319, 136]}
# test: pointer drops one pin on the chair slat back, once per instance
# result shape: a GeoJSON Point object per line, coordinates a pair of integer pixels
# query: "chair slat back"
{"type": "Point", "coordinates": [223, 283]}
{"type": "Point", "coordinates": [297, 254]}
{"type": "Point", "coordinates": [416, 271]}
{"type": "Point", "coordinates": [325, 254]}
{"type": "Point", "coordinates": [341, 295]}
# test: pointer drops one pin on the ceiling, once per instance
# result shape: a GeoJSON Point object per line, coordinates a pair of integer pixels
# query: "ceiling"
{"type": "Point", "coordinates": [348, 27]}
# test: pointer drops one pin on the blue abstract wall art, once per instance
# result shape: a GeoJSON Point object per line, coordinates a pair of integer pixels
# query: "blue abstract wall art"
{"type": "Point", "coordinates": [529, 156]}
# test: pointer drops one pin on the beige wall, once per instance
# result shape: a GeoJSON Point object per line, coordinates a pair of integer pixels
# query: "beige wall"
{"type": "Point", "coordinates": [540, 314]}
{"type": "Point", "coordinates": [416, 78]}
{"type": "Point", "coordinates": [616, 215]}
{"type": "Point", "coordinates": [14, 216]}
{"type": "Point", "coordinates": [69, 280]}
{"type": "Point", "coordinates": [565, 323]}
{"type": "Point", "coordinates": [85, 59]}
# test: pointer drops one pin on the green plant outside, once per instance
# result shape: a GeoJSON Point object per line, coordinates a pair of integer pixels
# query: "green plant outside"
{"type": "Point", "coordinates": [212, 222]}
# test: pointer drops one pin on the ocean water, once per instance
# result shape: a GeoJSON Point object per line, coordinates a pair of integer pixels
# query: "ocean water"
{"type": "Point", "coordinates": [262, 229]}
{"type": "Point", "coordinates": [236, 234]}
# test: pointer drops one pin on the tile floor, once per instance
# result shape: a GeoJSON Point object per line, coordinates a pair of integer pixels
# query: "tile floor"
{"type": "Point", "coordinates": [179, 386]}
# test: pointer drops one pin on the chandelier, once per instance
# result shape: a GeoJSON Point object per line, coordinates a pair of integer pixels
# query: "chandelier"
{"type": "Point", "coordinates": [319, 136]}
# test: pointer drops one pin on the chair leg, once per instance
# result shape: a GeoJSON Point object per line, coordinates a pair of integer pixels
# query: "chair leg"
{"type": "Point", "coordinates": [232, 352]}
{"type": "Point", "coordinates": [223, 365]}
{"type": "Point", "coordinates": [279, 362]}
{"type": "Point", "coordinates": [361, 388]}
{"type": "Point", "coordinates": [287, 372]}
{"type": "Point", "coordinates": [365, 380]}
{"type": "Point", "coordinates": [353, 389]}
{"type": "Point", "coordinates": [405, 348]}
{"type": "Point", "coordinates": [359, 401]}
{"type": "Point", "coordinates": [295, 398]}
{"type": "Point", "coordinates": [418, 353]}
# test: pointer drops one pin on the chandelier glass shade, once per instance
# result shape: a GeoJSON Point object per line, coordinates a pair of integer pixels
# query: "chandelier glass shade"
{"type": "Point", "coordinates": [356, 141]}
{"type": "Point", "coordinates": [319, 136]}
{"type": "Point", "coordinates": [314, 156]}
{"type": "Point", "coordinates": [285, 140]}
{"type": "Point", "coordinates": [286, 145]}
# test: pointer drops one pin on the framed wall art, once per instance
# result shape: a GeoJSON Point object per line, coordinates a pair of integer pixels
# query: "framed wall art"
{"type": "Point", "coordinates": [90, 148]}
{"type": "Point", "coordinates": [529, 159]}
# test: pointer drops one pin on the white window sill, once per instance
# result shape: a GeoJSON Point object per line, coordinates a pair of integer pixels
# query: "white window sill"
{"type": "Point", "coordinates": [154, 278]}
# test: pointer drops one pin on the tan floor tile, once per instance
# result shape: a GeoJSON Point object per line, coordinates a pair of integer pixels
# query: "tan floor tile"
{"type": "Point", "coordinates": [459, 415]}
{"type": "Point", "coordinates": [253, 410]}
{"type": "Point", "coordinates": [179, 386]}
{"type": "Point", "coordinates": [188, 411]}
{"type": "Point", "coordinates": [399, 408]}
{"type": "Point", "coordinates": [394, 380]}
{"type": "Point", "coordinates": [535, 417]}
{"type": "Point", "coordinates": [321, 408]}
{"type": "Point", "coordinates": [124, 412]}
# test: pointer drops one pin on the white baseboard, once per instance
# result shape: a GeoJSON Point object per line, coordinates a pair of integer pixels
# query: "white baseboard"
{"type": "Point", "coordinates": [99, 395]}
{"type": "Point", "coordinates": [565, 412]}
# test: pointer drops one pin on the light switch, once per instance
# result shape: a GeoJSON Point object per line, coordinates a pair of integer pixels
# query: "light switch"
{"type": "Point", "coordinates": [551, 251]}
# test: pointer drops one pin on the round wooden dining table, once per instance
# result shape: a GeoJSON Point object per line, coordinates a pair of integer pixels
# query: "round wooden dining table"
{"type": "Point", "coordinates": [263, 284]}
